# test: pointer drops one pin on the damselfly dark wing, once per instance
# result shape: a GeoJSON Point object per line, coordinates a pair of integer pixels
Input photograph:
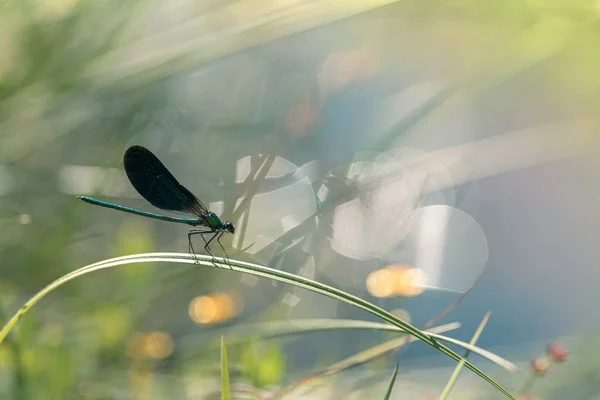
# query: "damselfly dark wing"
{"type": "Point", "coordinates": [157, 185]}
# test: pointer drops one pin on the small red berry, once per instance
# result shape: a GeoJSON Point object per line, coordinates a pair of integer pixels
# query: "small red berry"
{"type": "Point", "coordinates": [557, 352]}
{"type": "Point", "coordinates": [540, 365]}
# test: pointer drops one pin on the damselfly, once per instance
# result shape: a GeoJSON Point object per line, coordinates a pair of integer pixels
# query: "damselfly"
{"type": "Point", "coordinates": [158, 186]}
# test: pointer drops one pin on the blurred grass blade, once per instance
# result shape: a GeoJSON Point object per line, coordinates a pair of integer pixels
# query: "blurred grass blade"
{"type": "Point", "coordinates": [391, 384]}
{"type": "Point", "coordinates": [257, 270]}
{"type": "Point", "coordinates": [507, 365]}
{"type": "Point", "coordinates": [225, 387]}
{"type": "Point", "coordinates": [252, 185]}
{"type": "Point", "coordinates": [459, 366]}
{"type": "Point", "coordinates": [207, 45]}
{"type": "Point", "coordinates": [278, 329]}
{"type": "Point", "coordinates": [414, 118]}
{"type": "Point", "coordinates": [358, 359]}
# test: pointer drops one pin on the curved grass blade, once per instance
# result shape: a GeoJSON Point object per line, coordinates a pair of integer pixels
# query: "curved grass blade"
{"type": "Point", "coordinates": [391, 384]}
{"type": "Point", "coordinates": [277, 329]}
{"type": "Point", "coordinates": [456, 373]}
{"type": "Point", "coordinates": [225, 386]}
{"type": "Point", "coordinates": [355, 360]}
{"type": "Point", "coordinates": [257, 270]}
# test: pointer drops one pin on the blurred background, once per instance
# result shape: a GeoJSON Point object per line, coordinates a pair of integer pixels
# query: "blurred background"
{"type": "Point", "coordinates": [398, 150]}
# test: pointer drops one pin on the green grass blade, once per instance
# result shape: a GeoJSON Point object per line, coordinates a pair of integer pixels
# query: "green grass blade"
{"type": "Point", "coordinates": [277, 329]}
{"type": "Point", "coordinates": [391, 384]}
{"type": "Point", "coordinates": [257, 270]}
{"type": "Point", "coordinates": [355, 360]}
{"type": "Point", "coordinates": [225, 387]}
{"type": "Point", "coordinates": [459, 366]}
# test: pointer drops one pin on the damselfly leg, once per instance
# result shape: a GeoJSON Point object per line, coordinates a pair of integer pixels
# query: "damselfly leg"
{"type": "Point", "coordinates": [203, 232]}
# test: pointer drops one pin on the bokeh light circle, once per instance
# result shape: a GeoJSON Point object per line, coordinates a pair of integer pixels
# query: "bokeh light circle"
{"type": "Point", "coordinates": [447, 245]}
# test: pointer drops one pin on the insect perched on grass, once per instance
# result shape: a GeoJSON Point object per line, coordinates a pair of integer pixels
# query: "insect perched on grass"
{"type": "Point", "coordinates": [159, 187]}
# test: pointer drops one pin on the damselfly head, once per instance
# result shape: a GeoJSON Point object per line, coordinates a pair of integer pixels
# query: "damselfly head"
{"type": "Point", "coordinates": [228, 226]}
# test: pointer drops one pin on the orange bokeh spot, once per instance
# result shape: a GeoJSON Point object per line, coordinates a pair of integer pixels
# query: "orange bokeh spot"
{"type": "Point", "coordinates": [407, 280]}
{"type": "Point", "coordinates": [214, 308]}
{"type": "Point", "coordinates": [396, 280]}
{"type": "Point", "coordinates": [156, 345]}
{"type": "Point", "coordinates": [203, 310]}
{"type": "Point", "coordinates": [380, 283]}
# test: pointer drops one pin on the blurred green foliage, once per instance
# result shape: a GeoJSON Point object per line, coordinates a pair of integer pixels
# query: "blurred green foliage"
{"type": "Point", "coordinates": [263, 365]}
{"type": "Point", "coordinates": [74, 89]}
